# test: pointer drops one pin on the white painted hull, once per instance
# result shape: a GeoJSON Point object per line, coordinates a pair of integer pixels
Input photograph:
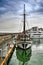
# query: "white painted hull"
{"type": "Point", "coordinates": [24, 45]}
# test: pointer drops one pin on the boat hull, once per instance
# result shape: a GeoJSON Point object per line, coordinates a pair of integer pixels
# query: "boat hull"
{"type": "Point", "coordinates": [24, 45]}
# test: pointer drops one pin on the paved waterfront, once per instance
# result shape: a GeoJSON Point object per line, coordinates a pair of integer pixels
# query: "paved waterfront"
{"type": "Point", "coordinates": [5, 48]}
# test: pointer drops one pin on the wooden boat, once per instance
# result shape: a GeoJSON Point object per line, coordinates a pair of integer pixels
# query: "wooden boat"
{"type": "Point", "coordinates": [23, 40]}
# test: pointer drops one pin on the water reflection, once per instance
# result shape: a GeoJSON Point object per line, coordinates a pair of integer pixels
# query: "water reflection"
{"type": "Point", "coordinates": [28, 57]}
{"type": "Point", "coordinates": [36, 42]}
{"type": "Point", "coordinates": [23, 55]}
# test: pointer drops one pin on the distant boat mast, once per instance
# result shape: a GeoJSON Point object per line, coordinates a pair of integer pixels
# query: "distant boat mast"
{"type": "Point", "coordinates": [24, 20]}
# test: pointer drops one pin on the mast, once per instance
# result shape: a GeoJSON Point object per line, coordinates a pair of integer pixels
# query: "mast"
{"type": "Point", "coordinates": [24, 20]}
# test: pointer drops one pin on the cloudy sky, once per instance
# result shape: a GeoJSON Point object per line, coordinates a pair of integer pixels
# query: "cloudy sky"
{"type": "Point", "coordinates": [11, 10]}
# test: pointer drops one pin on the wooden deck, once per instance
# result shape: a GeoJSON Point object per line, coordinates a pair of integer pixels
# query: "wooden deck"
{"type": "Point", "coordinates": [20, 42]}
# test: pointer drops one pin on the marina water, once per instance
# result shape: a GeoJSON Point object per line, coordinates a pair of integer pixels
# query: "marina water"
{"type": "Point", "coordinates": [31, 56]}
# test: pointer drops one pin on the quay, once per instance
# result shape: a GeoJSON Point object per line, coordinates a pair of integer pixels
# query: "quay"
{"type": "Point", "coordinates": [8, 55]}
{"type": "Point", "coordinates": [4, 38]}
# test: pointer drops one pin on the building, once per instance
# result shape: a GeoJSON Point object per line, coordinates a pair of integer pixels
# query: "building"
{"type": "Point", "coordinates": [34, 28]}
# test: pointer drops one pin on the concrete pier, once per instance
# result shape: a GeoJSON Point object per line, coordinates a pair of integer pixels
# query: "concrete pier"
{"type": "Point", "coordinates": [8, 55]}
{"type": "Point", "coordinates": [4, 38]}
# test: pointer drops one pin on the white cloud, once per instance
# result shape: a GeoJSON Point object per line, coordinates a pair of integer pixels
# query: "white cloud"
{"type": "Point", "coordinates": [10, 22]}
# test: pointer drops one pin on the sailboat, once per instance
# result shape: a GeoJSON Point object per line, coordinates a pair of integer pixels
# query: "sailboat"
{"type": "Point", "coordinates": [24, 40]}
